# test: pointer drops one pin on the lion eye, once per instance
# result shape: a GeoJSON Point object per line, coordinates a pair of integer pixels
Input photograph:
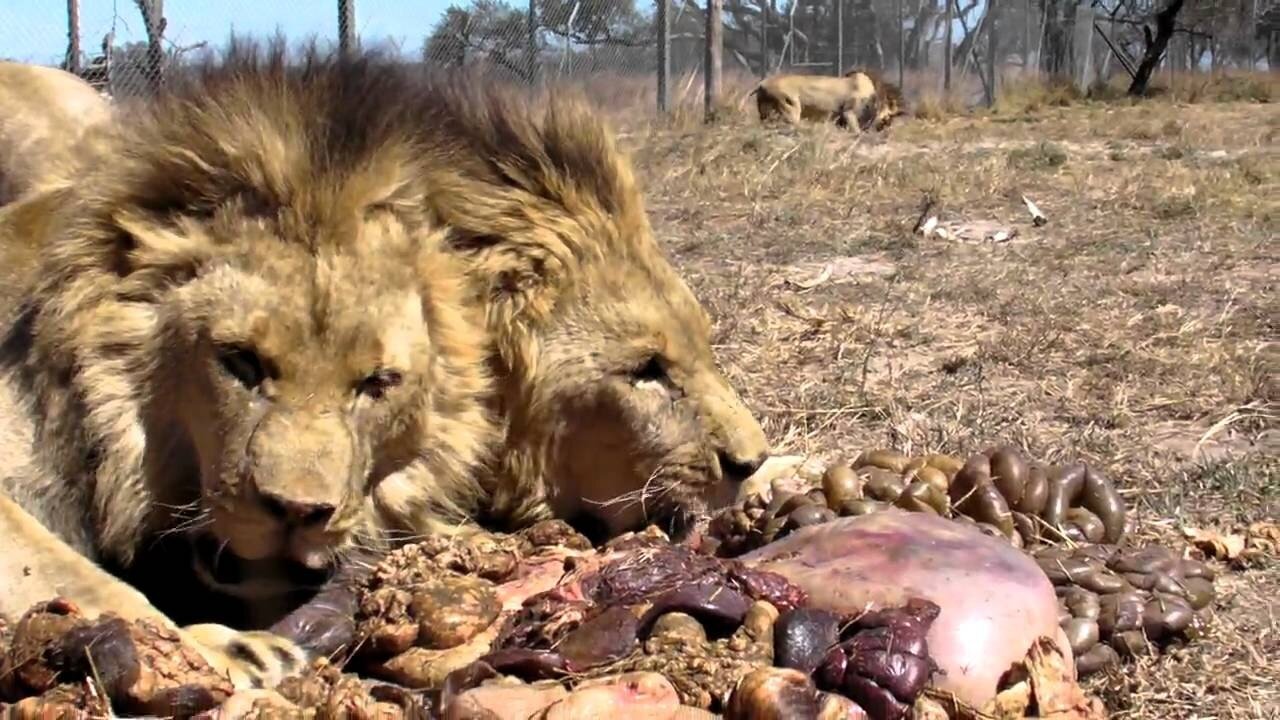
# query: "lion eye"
{"type": "Point", "coordinates": [377, 384]}
{"type": "Point", "coordinates": [242, 364]}
{"type": "Point", "coordinates": [651, 370]}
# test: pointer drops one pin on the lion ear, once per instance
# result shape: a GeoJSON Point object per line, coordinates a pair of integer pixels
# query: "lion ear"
{"type": "Point", "coordinates": [148, 244]}
{"type": "Point", "coordinates": [521, 274]}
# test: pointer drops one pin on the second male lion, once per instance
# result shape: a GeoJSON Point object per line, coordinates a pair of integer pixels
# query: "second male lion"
{"type": "Point", "coordinates": [616, 411]}
{"type": "Point", "coordinates": [244, 356]}
{"type": "Point", "coordinates": [858, 100]}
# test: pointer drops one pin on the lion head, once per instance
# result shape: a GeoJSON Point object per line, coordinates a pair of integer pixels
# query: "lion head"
{"type": "Point", "coordinates": [246, 328]}
{"type": "Point", "coordinates": [616, 412]}
{"type": "Point", "coordinates": [889, 105]}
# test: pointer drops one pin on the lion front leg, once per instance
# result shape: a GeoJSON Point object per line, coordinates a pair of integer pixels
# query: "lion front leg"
{"type": "Point", "coordinates": [37, 566]}
{"type": "Point", "coordinates": [250, 659]}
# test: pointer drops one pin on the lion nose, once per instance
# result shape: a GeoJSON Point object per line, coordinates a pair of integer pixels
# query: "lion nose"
{"type": "Point", "coordinates": [739, 468]}
{"type": "Point", "coordinates": [298, 511]}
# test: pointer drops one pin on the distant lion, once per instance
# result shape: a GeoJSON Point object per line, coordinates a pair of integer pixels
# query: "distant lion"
{"type": "Point", "coordinates": [245, 355]}
{"type": "Point", "coordinates": [47, 117]}
{"type": "Point", "coordinates": [858, 100]}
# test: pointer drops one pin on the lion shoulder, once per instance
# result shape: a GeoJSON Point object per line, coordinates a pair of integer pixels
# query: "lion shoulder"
{"type": "Point", "coordinates": [48, 114]}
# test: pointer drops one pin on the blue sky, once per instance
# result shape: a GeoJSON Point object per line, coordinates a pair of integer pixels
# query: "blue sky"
{"type": "Point", "coordinates": [36, 30]}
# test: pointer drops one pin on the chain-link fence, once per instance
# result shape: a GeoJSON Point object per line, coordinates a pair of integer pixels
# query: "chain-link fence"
{"type": "Point", "coordinates": [632, 50]}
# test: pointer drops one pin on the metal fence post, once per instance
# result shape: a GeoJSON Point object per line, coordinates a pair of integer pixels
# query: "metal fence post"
{"type": "Point", "coordinates": [715, 49]}
{"type": "Point", "coordinates": [664, 55]}
{"type": "Point", "coordinates": [993, 38]}
{"type": "Point", "coordinates": [946, 49]}
{"type": "Point", "coordinates": [765, 17]}
{"type": "Point", "coordinates": [839, 37]}
{"type": "Point", "coordinates": [533, 41]}
{"type": "Point", "coordinates": [346, 26]}
{"type": "Point", "coordinates": [902, 50]}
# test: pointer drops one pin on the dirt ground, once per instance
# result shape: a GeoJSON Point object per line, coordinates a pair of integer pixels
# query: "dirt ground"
{"type": "Point", "coordinates": [1137, 329]}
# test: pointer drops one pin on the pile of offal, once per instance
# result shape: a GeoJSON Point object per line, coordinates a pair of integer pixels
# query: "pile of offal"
{"type": "Point", "coordinates": [887, 588]}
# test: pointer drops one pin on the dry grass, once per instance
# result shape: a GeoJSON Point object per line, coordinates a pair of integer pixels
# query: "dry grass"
{"type": "Point", "coordinates": [1137, 330]}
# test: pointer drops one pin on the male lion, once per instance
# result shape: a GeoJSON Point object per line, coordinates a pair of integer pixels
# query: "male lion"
{"type": "Point", "coordinates": [47, 118]}
{"type": "Point", "coordinates": [858, 100]}
{"type": "Point", "coordinates": [244, 350]}
{"type": "Point", "coordinates": [616, 412]}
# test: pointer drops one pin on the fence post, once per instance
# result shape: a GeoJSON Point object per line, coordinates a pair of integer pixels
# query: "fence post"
{"type": "Point", "coordinates": [902, 49]}
{"type": "Point", "coordinates": [533, 41]}
{"type": "Point", "coordinates": [346, 26]}
{"type": "Point", "coordinates": [1083, 50]}
{"type": "Point", "coordinates": [664, 55]}
{"type": "Point", "coordinates": [946, 61]}
{"type": "Point", "coordinates": [790, 50]}
{"type": "Point", "coordinates": [993, 37]}
{"type": "Point", "coordinates": [839, 37]}
{"type": "Point", "coordinates": [766, 15]}
{"type": "Point", "coordinates": [715, 50]}
{"type": "Point", "coordinates": [72, 62]}
{"type": "Point", "coordinates": [1026, 38]}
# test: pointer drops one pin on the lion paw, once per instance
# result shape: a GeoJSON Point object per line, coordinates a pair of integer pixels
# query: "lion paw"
{"type": "Point", "coordinates": [250, 659]}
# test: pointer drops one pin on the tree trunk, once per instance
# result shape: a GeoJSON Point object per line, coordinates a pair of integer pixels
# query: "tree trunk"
{"type": "Point", "coordinates": [663, 20]}
{"type": "Point", "coordinates": [963, 50]}
{"type": "Point", "coordinates": [1055, 46]}
{"type": "Point", "coordinates": [1155, 46]}
{"type": "Point", "coordinates": [154, 22]}
{"type": "Point", "coordinates": [926, 13]}
{"type": "Point", "coordinates": [993, 44]}
{"type": "Point", "coordinates": [72, 62]}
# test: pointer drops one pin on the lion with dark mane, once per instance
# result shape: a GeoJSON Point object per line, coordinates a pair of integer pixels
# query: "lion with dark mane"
{"type": "Point", "coordinates": [616, 412]}
{"type": "Point", "coordinates": [858, 100]}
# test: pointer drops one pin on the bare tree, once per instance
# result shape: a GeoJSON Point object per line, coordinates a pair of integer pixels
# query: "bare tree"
{"type": "Point", "coordinates": [1155, 46]}
{"type": "Point", "coordinates": [154, 21]}
{"type": "Point", "coordinates": [72, 62]}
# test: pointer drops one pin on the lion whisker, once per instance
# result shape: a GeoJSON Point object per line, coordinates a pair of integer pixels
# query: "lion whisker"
{"type": "Point", "coordinates": [195, 522]}
{"type": "Point", "coordinates": [651, 490]}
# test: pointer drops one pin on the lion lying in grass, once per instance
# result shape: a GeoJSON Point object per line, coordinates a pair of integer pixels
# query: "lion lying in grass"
{"type": "Point", "coordinates": [858, 100]}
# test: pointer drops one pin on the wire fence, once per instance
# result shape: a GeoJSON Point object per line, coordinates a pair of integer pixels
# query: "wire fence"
{"type": "Point", "coordinates": [658, 51]}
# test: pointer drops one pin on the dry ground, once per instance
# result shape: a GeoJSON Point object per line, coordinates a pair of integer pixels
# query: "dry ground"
{"type": "Point", "coordinates": [1137, 330]}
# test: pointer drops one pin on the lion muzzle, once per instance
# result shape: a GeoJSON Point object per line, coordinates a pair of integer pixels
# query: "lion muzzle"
{"type": "Point", "coordinates": [300, 472]}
